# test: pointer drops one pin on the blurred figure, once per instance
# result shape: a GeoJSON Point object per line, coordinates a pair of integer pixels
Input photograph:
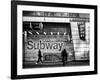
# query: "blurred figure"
{"type": "Point", "coordinates": [64, 55]}
{"type": "Point", "coordinates": [39, 57]}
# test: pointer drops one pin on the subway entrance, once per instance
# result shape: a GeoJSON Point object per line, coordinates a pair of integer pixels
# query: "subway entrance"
{"type": "Point", "coordinates": [48, 37]}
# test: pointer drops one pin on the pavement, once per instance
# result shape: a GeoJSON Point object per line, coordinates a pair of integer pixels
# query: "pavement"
{"type": "Point", "coordinates": [54, 64]}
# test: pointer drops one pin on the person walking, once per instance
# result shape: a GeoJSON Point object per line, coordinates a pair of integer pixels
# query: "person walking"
{"type": "Point", "coordinates": [39, 57]}
{"type": "Point", "coordinates": [64, 56]}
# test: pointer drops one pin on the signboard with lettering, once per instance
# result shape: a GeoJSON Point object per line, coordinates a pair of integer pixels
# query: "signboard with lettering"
{"type": "Point", "coordinates": [56, 14]}
{"type": "Point", "coordinates": [49, 45]}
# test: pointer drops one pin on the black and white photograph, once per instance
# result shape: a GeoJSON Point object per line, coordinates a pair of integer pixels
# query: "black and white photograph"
{"type": "Point", "coordinates": [53, 39]}
{"type": "Point", "coordinates": [49, 39]}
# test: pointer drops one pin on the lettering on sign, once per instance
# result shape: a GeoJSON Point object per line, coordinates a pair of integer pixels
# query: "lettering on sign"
{"type": "Point", "coordinates": [44, 45]}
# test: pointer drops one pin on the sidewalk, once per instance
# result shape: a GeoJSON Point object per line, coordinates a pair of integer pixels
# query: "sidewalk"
{"type": "Point", "coordinates": [54, 64]}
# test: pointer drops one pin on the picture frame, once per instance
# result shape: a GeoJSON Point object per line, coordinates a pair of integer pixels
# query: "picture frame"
{"type": "Point", "coordinates": [34, 25]}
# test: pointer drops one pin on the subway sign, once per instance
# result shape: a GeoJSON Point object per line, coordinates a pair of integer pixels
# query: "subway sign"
{"type": "Point", "coordinates": [50, 46]}
{"type": "Point", "coordinates": [44, 45]}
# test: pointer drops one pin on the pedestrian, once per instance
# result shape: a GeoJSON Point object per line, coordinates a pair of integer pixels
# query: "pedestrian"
{"type": "Point", "coordinates": [64, 56]}
{"type": "Point", "coordinates": [39, 57]}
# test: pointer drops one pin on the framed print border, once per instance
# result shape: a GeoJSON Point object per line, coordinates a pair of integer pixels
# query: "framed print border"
{"type": "Point", "coordinates": [15, 7]}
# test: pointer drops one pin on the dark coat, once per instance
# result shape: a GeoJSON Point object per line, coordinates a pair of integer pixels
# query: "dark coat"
{"type": "Point", "coordinates": [64, 54]}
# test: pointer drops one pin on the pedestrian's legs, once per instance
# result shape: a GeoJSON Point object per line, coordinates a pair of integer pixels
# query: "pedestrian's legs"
{"type": "Point", "coordinates": [38, 60]}
{"type": "Point", "coordinates": [63, 60]}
